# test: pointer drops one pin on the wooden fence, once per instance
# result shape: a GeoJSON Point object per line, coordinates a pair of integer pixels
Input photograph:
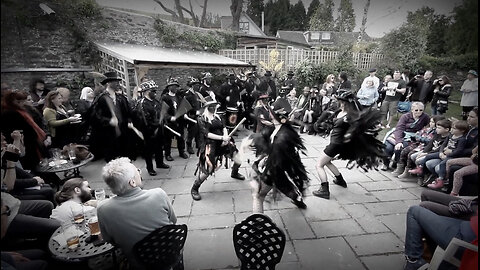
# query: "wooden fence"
{"type": "Point", "coordinates": [291, 57]}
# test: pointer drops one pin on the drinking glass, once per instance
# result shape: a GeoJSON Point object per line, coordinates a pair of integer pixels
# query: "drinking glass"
{"type": "Point", "coordinates": [100, 194]}
{"type": "Point", "coordinates": [93, 226]}
{"type": "Point", "coordinates": [71, 154]}
{"type": "Point", "coordinates": [71, 235]}
{"type": "Point", "coordinates": [78, 215]}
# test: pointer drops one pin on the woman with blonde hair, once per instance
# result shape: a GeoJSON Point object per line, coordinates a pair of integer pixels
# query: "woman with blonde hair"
{"type": "Point", "coordinates": [329, 85]}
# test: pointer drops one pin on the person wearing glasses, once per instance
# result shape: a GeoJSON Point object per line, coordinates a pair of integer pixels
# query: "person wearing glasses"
{"type": "Point", "coordinates": [406, 127]}
{"type": "Point", "coordinates": [441, 92]}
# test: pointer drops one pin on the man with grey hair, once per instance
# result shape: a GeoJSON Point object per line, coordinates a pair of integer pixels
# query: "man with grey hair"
{"type": "Point", "coordinates": [124, 219]}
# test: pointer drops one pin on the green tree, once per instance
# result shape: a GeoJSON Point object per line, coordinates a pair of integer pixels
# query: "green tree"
{"type": "Point", "coordinates": [254, 10]}
{"type": "Point", "coordinates": [280, 11]}
{"type": "Point", "coordinates": [297, 17]}
{"type": "Point", "coordinates": [462, 35]}
{"type": "Point", "coordinates": [436, 45]}
{"type": "Point", "coordinates": [322, 18]}
{"type": "Point", "coordinates": [311, 8]}
{"type": "Point", "coordinates": [405, 45]}
{"type": "Point", "coordinates": [269, 16]}
{"type": "Point", "coordinates": [345, 21]}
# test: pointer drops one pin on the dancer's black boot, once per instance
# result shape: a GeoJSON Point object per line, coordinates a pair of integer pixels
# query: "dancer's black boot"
{"type": "Point", "coordinates": [235, 174]}
{"type": "Point", "coordinates": [340, 181]}
{"type": "Point", "coordinates": [323, 192]}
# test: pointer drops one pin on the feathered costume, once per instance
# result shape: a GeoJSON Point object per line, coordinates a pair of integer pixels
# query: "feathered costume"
{"type": "Point", "coordinates": [278, 165]}
{"type": "Point", "coordinates": [360, 144]}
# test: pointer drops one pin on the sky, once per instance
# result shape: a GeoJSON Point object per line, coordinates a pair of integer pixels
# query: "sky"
{"type": "Point", "coordinates": [383, 15]}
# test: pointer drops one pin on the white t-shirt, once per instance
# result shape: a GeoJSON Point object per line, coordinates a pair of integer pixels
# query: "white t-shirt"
{"type": "Point", "coordinates": [64, 212]}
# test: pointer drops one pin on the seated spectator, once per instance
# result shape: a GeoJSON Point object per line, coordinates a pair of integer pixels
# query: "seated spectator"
{"type": "Point", "coordinates": [368, 94]}
{"type": "Point", "coordinates": [302, 103]}
{"type": "Point", "coordinates": [441, 204]}
{"type": "Point", "coordinates": [75, 194]}
{"type": "Point", "coordinates": [472, 134]}
{"type": "Point", "coordinates": [27, 219]}
{"type": "Point", "coordinates": [329, 85]}
{"type": "Point", "coordinates": [16, 117]}
{"type": "Point", "coordinates": [470, 166]}
{"type": "Point", "coordinates": [21, 260]}
{"type": "Point", "coordinates": [125, 181]}
{"type": "Point", "coordinates": [292, 98]}
{"type": "Point", "coordinates": [312, 111]}
{"type": "Point", "coordinates": [441, 92]}
{"type": "Point", "coordinates": [442, 131]}
{"type": "Point", "coordinates": [422, 222]}
{"type": "Point", "coordinates": [59, 120]}
{"type": "Point", "coordinates": [345, 84]}
{"type": "Point", "coordinates": [419, 141]}
{"type": "Point", "coordinates": [451, 148]}
{"type": "Point", "coordinates": [406, 127]}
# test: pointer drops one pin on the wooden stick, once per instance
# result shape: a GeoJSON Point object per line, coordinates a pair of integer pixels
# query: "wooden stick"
{"type": "Point", "coordinates": [173, 131]}
{"type": "Point", "coordinates": [236, 127]}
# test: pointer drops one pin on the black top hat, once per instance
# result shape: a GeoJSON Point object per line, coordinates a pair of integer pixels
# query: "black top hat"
{"type": "Point", "coordinates": [372, 70]}
{"type": "Point", "coordinates": [110, 76]}
{"type": "Point", "coordinates": [268, 73]}
{"type": "Point", "coordinates": [192, 81]}
{"type": "Point", "coordinates": [290, 73]}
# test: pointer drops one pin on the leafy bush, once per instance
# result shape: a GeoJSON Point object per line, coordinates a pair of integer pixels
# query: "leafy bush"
{"type": "Point", "coordinates": [165, 32]}
{"type": "Point", "coordinates": [456, 62]}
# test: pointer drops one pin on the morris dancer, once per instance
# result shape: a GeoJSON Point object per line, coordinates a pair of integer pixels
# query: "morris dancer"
{"type": "Point", "coordinates": [215, 144]}
{"type": "Point", "coordinates": [353, 138]}
{"type": "Point", "coordinates": [278, 165]}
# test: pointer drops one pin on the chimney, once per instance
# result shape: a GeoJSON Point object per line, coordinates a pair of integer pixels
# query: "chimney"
{"type": "Point", "coordinates": [263, 21]}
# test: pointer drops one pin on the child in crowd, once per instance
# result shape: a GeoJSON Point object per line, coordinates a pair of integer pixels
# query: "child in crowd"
{"type": "Point", "coordinates": [419, 141]}
{"type": "Point", "coordinates": [442, 131]}
{"type": "Point", "coordinates": [470, 166]}
{"type": "Point", "coordinates": [451, 148]}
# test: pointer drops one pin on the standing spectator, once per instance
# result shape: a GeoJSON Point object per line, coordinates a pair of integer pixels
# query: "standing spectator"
{"type": "Point", "coordinates": [422, 87]}
{"type": "Point", "coordinates": [16, 117]}
{"type": "Point", "coordinates": [394, 92]}
{"type": "Point", "coordinates": [125, 181]}
{"type": "Point", "coordinates": [469, 91]}
{"type": "Point", "coordinates": [329, 85]}
{"type": "Point", "coordinates": [85, 102]}
{"type": "Point", "coordinates": [442, 91]}
{"type": "Point", "coordinates": [382, 89]}
{"type": "Point", "coordinates": [368, 95]}
{"type": "Point", "coordinates": [345, 84]}
{"type": "Point", "coordinates": [267, 86]}
{"type": "Point", "coordinates": [38, 92]}
{"type": "Point", "coordinates": [372, 75]}
{"type": "Point", "coordinates": [59, 122]}
{"type": "Point", "coordinates": [66, 102]}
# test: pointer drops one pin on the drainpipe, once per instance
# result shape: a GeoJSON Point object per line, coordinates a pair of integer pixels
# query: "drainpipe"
{"type": "Point", "coordinates": [263, 22]}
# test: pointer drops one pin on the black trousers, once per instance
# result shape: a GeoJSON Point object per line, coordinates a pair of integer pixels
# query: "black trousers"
{"type": "Point", "coordinates": [169, 136]}
{"type": "Point", "coordinates": [153, 146]}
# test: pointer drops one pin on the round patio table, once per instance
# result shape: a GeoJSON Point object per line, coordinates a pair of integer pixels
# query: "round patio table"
{"type": "Point", "coordinates": [64, 165]}
{"type": "Point", "coordinates": [84, 251]}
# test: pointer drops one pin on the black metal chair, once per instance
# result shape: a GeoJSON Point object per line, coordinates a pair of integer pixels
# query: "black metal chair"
{"type": "Point", "coordinates": [162, 248]}
{"type": "Point", "coordinates": [258, 242]}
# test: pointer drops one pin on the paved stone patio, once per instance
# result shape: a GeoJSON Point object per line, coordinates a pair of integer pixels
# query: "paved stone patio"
{"type": "Point", "coordinates": [360, 227]}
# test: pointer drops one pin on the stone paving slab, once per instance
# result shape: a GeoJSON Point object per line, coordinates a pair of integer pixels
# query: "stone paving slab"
{"type": "Point", "coordinates": [371, 244]}
{"type": "Point", "coordinates": [329, 253]}
{"type": "Point", "coordinates": [382, 262]}
{"type": "Point", "coordinates": [360, 227]}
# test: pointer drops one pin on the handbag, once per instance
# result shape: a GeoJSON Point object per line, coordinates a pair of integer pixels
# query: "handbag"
{"type": "Point", "coordinates": [462, 206]}
{"type": "Point", "coordinates": [81, 151]}
{"type": "Point", "coordinates": [404, 106]}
